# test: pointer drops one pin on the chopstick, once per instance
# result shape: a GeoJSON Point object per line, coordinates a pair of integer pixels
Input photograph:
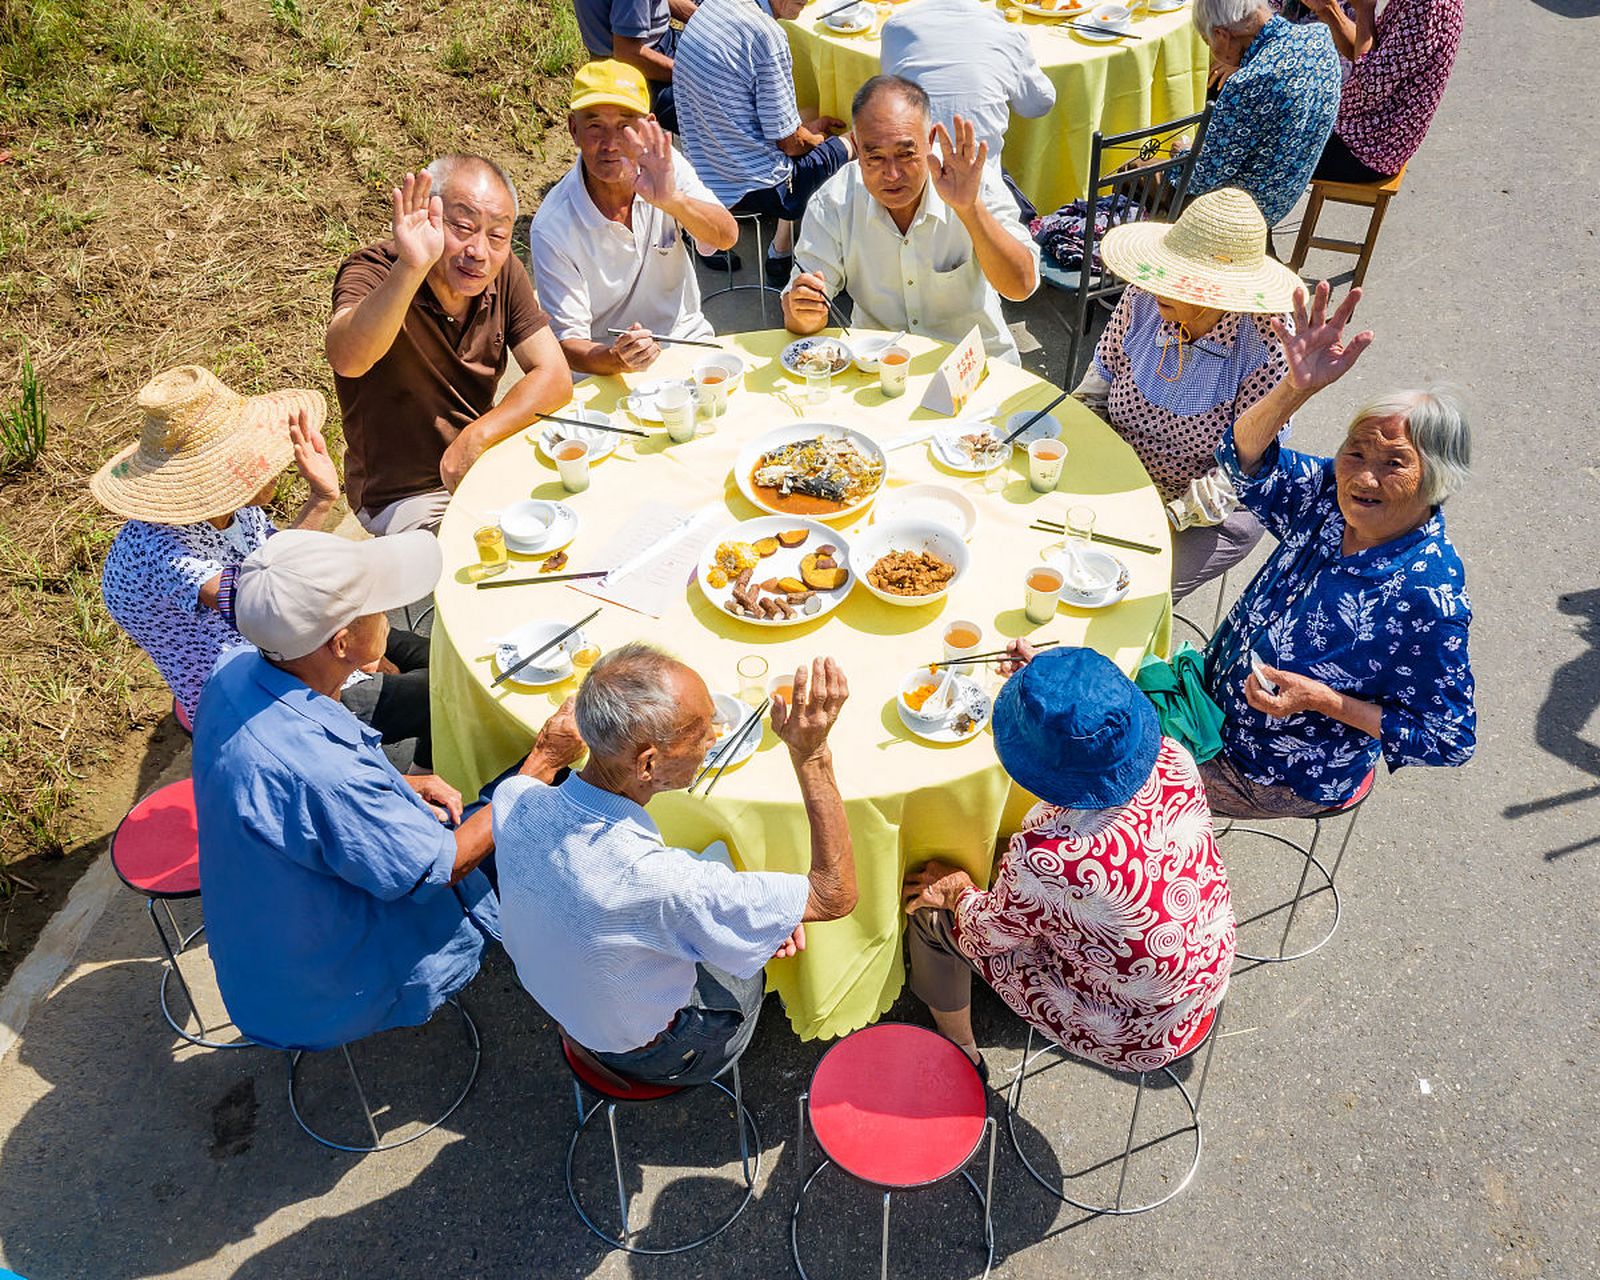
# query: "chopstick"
{"type": "Point", "coordinates": [998, 655]}
{"type": "Point", "coordinates": [839, 9]}
{"type": "Point", "coordinates": [549, 577]}
{"type": "Point", "coordinates": [671, 342]}
{"type": "Point", "coordinates": [1104, 31]}
{"type": "Point", "coordinates": [541, 651]}
{"type": "Point", "coordinates": [592, 426]}
{"type": "Point", "coordinates": [1055, 526]}
{"type": "Point", "coordinates": [1036, 417]}
{"type": "Point", "coordinates": [723, 755]}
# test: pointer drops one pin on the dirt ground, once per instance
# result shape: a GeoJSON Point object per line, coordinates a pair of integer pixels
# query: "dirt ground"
{"type": "Point", "coordinates": [178, 183]}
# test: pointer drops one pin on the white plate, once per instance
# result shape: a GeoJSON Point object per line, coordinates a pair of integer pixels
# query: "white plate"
{"type": "Point", "coordinates": [909, 535]}
{"type": "Point", "coordinates": [734, 713]}
{"type": "Point", "coordinates": [969, 694]}
{"type": "Point", "coordinates": [867, 350]}
{"type": "Point", "coordinates": [850, 21]}
{"type": "Point", "coordinates": [945, 445]}
{"type": "Point", "coordinates": [1039, 11]}
{"type": "Point", "coordinates": [641, 401]}
{"type": "Point", "coordinates": [935, 502]}
{"type": "Point", "coordinates": [751, 453]}
{"type": "Point", "coordinates": [561, 528]}
{"type": "Point", "coordinates": [790, 353]}
{"type": "Point", "coordinates": [1164, 6]}
{"type": "Point", "coordinates": [1102, 599]}
{"type": "Point", "coordinates": [508, 652]}
{"type": "Point", "coordinates": [783, 563]}
{"type": "Point", "coordinates": [1096, 37]}
{"type": "Point", "coordinates": [601, 443]}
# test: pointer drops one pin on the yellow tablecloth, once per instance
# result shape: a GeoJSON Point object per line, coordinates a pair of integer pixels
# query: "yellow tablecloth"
{"type": "Point", "coordinates": [1115, 87]}
{"type": "Point", "coordinates": [906, 800]}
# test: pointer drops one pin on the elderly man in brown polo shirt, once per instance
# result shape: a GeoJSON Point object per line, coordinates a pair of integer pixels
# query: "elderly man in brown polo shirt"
{"type": "Point", "coordinates": [421, 329]}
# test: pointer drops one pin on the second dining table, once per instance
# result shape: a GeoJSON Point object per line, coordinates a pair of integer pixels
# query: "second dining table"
{"type": "Point", "coordinates": [907, 799]}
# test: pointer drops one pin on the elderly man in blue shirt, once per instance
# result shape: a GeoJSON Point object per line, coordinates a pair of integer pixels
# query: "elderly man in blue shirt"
{"type": "Point", "coordinates": [341, 898]}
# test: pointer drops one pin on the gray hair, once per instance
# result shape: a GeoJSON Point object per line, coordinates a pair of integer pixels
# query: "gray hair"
{"type": "Point", "coordinates": [627, 702]}
{"type": "Point", "coordinates": [1208, 15]}
{"type": "Point", "coordinates": [1437, 425]}
{"type": "Point", "coordinates": [909, 91]}
{"type": "Point", "coordinates": [447, 166]}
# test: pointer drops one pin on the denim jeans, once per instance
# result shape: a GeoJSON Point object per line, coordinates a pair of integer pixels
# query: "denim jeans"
{"type": "Point", "coordinates": [789, 198]}
{"type": "Point", "coordinates": [705, 1038]}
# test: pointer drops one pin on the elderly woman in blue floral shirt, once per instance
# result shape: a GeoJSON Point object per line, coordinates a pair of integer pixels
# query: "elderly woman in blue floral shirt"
{"type": "Point", "coordinates": [1358, 623]}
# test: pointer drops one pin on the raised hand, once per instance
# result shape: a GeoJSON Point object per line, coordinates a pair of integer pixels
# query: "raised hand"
{"type": "Point", "coordinates": [958, 168]}
{"type": "Point", "coordinates": [311, 458]}
{"type": "Point", "coordinates": [1316, 352]}
{"type": "Point", "coordinates": [819, 695]}
{"type": "Point", "coordinates": [418, 221]}
{"type": "Point", "coordinates": [650, 148]}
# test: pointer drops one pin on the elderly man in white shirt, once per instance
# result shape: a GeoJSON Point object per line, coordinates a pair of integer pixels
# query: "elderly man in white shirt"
{"type": "Point", "coordinates": [649, 956]}
{"type": "Point", "coordinates": [923, 241]}
{"type": "Point", "coordinates": [605, 246]}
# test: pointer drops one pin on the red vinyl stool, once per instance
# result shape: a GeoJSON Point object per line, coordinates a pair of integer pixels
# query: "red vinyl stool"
{"type": "Point", "coordinates": [156, 852]}
{"type": "Point", "coordinates": [614, 1090]}
{"type": "Point", "coordinates": [900, 1108]}
{"type": "Point", "coordinates": [1309, 855]}
{"type": "Point", "coordinates": [182, 717]}
{"type": "Point", "coordinates": [1205, 1034]}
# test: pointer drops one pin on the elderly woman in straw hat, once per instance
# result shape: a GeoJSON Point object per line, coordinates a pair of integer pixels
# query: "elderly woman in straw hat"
{"type": "Point", "coordinates": [1189, 348]}
{"type": "Point", "coordinates": [193, 488]}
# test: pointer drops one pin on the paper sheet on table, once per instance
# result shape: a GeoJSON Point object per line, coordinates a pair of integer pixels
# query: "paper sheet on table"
{"type": "Point", "coordinates": [650, 585]}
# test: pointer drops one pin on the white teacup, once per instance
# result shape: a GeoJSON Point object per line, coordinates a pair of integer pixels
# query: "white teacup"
{"type": "Point", "coordinates": [1117, 16]}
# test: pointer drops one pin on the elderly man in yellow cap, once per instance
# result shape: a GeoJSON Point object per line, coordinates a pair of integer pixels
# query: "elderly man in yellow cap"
{"type": "Point", "coordinates": [606, 245]}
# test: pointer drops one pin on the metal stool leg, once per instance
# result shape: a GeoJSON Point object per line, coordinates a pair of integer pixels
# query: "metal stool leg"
{"type": "Point", "coordinates": [1307, 853]}
{"type": "Point", "coordinates": [616, 1159]}
{"type": "Point", "coordinates": [883, 1269]}
{"type": "Point", "coordinates": [366, 1109]}
{"type": "Point", "coordinates": [738, 1123]}
{"type": "Point", "coordinates": [172, 965]}
{"type": "Point", "coordinates": [1127, 1149]}
{"type": "Point", "coordinates": [1300, 888]}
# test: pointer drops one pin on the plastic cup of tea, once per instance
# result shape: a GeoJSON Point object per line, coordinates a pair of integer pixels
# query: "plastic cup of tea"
{"type": "Point", "coordinates": [819, 383]}
{"type": "Point", "coordinates": [583, 658]}
{"type": "Point", "coordinates": [752, 671]}
{"type": "Point", "coordinates": [782, 686]}
{"type": "Point", "coordinates": [491, 544]}
{"type": "Point", "coordinates": [677, 413]}
{"type": "Point", "coordinates": [894, 363]}
{"type": "Point", "coordinates": [961, 640]}
{"type": "Point", "coordinates": [1045, 460]}
{"type": "Point", "coordinates": [712, 380]}
{"type": "Point", "coordinates": [1043, 593]}
{"type": "Point", "coordinates": [572, 461]}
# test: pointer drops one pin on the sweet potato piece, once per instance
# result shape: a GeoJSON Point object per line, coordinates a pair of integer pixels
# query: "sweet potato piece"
{"type": "Point", "coordinates": [772, 585]}
{"type": "Point", "coordinates": [790, 585]}
{"type": "Point", "coordinates": [765, 547]}
{"type": "Point", "coordinates": [793, 537]}
{"type": "Point", "coordinates": [822, 577]}
{"type": "Point", "coordinates": [827, 549]}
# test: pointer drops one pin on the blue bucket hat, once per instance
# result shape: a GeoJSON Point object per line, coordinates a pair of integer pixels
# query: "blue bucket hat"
{"type": "Point", "coordinates": [1075, 731]}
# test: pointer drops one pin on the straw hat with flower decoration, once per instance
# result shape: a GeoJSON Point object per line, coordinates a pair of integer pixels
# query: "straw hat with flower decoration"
{"type": "Point", "coordinates": [1214, 255]}
{"type": "Point", "coordinates": [204, 450]}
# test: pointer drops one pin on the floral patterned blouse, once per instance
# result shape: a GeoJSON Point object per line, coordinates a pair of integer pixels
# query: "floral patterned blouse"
{"type": "Point", "coordinates": [1272, 118]}
{"type": "Point", "coordinates": [1174, 425]}
{"type": "Point", "coordinates": [1391, 93]}
{"type": "Point", "coordinates": [1111, 930]}
{"type": "Point", "coordinates": [1388, 625]}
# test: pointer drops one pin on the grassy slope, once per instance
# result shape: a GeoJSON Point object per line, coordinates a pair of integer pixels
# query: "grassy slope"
{"type": "Point", "coordinates": [178, 183]}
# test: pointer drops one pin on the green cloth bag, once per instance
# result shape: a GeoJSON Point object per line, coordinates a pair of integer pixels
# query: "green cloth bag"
{"type": "Point", "coordinates": [1177, 688]}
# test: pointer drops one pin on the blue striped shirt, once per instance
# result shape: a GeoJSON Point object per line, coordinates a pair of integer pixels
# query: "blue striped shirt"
{"type": "Point", "coordinates": [733, 86]}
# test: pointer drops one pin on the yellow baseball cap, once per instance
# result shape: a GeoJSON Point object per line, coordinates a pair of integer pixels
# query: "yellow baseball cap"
{"type": "Point", "coordinates": [608, 82]}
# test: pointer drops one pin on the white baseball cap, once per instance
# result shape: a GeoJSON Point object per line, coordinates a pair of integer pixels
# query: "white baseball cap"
{"type": "Point", "coordinates": [299, 590]}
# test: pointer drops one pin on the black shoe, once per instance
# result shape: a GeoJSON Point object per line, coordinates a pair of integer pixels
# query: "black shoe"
{"type": "Point", "coordinates": [779, 266]}
{"type": "Point", "coordinates": [721, 260]}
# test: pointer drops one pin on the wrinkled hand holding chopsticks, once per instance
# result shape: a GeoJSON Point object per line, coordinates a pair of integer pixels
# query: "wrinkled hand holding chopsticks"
{"type": "Point", "coordinates": [997, 655]}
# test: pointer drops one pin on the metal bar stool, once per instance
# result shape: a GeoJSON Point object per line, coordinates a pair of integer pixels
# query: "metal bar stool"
{"type": "Point", "coordinates": [754, 219]}
{"type": "Point", "coordinates": [378, 1143]}
{"type": "Point", "coordinates": [156, 852]}
{"type": "Point", "coordinates": [1205, 633]}
{"type": "Point", "coordinates": [614, 1090]}
{"type": "Point", "coordinates": [1206, 1034]}
{"type": "Point", "coordinates": [899, 1108]}
{"type": "Point", "coordinates": [1301, 895]}
{"type": "Point", "coordinates": [1367, 195]}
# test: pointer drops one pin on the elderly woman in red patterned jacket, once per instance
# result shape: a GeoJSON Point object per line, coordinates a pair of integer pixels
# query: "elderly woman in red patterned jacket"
{"type": "Point", "coordinates": [1109, 926]}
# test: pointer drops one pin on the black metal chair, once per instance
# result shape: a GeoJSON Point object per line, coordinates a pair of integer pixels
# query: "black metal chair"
{"type": "Point", "coordinates": [762, 285]}
{"type": "Point", "coordinates": [1156, 190]}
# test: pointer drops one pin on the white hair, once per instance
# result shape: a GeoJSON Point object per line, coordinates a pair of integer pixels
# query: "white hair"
{"type": "Point", "coordinates": [1437, 426]}
{"type": "Point", "coordinates": [447, 166]}
{"type": "Point", "coordinates": [1208, 15]}
{"type": "Point", "coordinates": [626, 702]}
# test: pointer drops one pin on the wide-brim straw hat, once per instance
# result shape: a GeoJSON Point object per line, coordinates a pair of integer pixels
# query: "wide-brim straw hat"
{"type": "Point", "coordinates": [1214, 255]}
{"type": "Point", "coordinates": [204, 450]}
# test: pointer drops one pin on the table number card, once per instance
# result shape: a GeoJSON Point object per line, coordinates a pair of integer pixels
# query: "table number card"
{"type": "Point", "coordinates": [957, 377]}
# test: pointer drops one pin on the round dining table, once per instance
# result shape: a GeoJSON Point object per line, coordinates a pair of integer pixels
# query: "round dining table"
{"type": "Point", "coordinates": [1116, 86]}
{"type": "Point", "coordinates": [907, 799]}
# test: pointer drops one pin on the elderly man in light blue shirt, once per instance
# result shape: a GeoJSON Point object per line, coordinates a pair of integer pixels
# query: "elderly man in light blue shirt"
{"type": "Point", "coordinates": [649, 956]}
{"type": "Point", "coordinates": [338, 901]}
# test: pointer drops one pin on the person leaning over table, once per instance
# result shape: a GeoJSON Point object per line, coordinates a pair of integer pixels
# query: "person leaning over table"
{"type": "Point", "coordinates": [639, 33]}
{"type": "Point", "coordinates": [1275, 109]}
{"type": "Point", "coordinates": [923, 242]}
{"type": "Point", "coordinates": [1189, 348]}
{"type": "Point", "coordinates": [1360, 616]}
{"type": "Point", "coordinates": [1400, 63]}
{"type": "Point", "coordinates": [605, 245]}
{"type": "Point", "coordinates": [648, 956]}
{"type": "Point", "coordinates": [194, 489]}
{"type": "Point", "coordinates": [341, 898]}
{"type": "Point", "coordinates": [1109, 924]}
{"type": "Point", "coordinates": [421, 330]}
{"type": "Point", "coordinates": [740, 124]}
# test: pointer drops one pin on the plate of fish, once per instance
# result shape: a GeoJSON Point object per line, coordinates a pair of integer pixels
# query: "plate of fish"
{"type": "Point", "coordinates": [816, 355]}
{"type": "Point", "coordinates": [943, 706]}
{"type": "Point", "coordinates": [816, 469]}
{"type": "Point", "coordinates": [776, 571]}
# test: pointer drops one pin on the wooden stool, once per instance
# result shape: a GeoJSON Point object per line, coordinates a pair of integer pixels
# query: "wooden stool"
{"type": "Point", "coordinates": [1371, 195]}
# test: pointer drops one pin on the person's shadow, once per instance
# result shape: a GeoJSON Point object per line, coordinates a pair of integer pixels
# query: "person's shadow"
{"type": "Point", "coordinates": [1568, 705]}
